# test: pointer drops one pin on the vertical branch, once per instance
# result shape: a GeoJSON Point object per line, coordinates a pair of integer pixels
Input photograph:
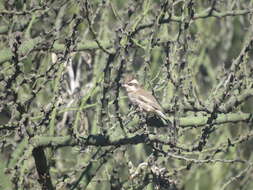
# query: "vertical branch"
{"type": "Point", "coordinates": [106, 88]}
{"type": "Point", "coordinates": [117, 83]}
{"type": "Point", "coordinates": [42, 168]}
{"type": "Point", "coordinates": [93, 33]}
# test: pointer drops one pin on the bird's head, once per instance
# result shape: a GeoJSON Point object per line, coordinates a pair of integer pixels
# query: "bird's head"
{"type": "Point", "coordinates": [131, 84]}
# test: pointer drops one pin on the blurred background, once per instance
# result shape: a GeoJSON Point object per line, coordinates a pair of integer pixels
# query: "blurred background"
{"type": "Point", "coordinates": [67, 123]}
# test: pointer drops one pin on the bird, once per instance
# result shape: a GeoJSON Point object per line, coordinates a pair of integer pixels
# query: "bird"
{"type": "Point", "coordinates": [142, 98]}
{"type": "Point", "coordinates": [145, 101]}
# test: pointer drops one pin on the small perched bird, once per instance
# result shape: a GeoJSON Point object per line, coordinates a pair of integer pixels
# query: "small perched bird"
{"type": "Point", "coordinates": [147, 102]}
{"type": "Point", "coordinates": [142, 98]}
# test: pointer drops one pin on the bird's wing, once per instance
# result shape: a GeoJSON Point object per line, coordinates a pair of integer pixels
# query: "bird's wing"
{"type": "Point", "coordinates": [147, 97]}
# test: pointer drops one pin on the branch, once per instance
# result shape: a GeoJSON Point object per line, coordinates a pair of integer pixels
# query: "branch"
{"type": "Point", "coordinates": [24, 12]}
{"type": "Point", "coordinates": [93, 33]}
{"type": "Point", "coordinates": [202, 15]}
{"type": "Point", "coordinates": [214, 13]}
{"type": "Point", "coordinates": [200, 161]}
{"type": "Point", "coordinates": [237, 177]}
{"type": "Point", "coordinates": [104, 140]}
{"type": "Point", "coordinates": [42, 169]}
{"type": "Point", "coordinates": [221, 118]}
{"type": "Point", "coordinates": [6, 53]}
{"type": "Point", "coordinates": [234, 101]}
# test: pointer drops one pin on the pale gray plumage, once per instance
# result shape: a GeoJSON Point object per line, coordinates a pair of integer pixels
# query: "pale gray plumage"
{"type": "Point", "coordinates": [142, 98]}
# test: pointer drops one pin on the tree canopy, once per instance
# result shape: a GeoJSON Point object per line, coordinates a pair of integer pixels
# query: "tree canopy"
{"type": "Point", "coordinates": [67, 123]}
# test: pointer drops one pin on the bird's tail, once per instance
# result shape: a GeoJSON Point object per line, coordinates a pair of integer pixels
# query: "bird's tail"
{"type": "Point", "coordinates": [161, 114]}
{"type": "Point", "coordinates": [172, 129]}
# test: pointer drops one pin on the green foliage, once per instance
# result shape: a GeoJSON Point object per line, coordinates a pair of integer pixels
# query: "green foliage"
{"type": "Point", "coordinates": [65, 119]}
